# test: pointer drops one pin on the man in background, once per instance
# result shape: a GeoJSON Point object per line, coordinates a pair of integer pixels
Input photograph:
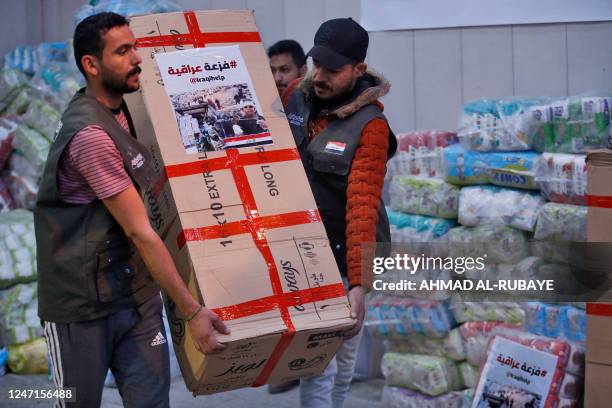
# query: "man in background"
{"type": "Point", "coordinates": [287, 62]}
{"type": "Point", "coordinates": [344, 141]}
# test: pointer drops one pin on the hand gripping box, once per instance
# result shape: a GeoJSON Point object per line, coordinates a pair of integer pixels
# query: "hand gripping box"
{"type": "Point", "coordinates": [233, 203]}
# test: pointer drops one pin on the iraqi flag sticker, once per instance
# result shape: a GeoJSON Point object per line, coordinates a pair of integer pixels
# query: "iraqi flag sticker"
{"type": "Point", "coordinates": [335, 147]}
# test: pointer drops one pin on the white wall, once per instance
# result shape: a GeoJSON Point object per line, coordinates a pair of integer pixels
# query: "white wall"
{"type": "Point", "coordinates": [432, 72]}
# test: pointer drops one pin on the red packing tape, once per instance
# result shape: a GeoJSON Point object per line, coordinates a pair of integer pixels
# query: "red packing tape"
{"type": "Point", "coordinates": [599, 309]}
{"type": "Point", "coordinates": [599, 201]}
{"type": "Point", "coordinates": [242, 227]}
{"type": "Point", "coordinates": [197, 38]}
{"type": "Point", "coordinates": [259, 236]}
{"type": "Point", "coordinates": [225, 162]}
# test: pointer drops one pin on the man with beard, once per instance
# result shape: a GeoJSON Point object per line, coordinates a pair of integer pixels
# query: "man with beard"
{"type": "Point", "coordinates": [100, 264]}
{"type": "Point", "coordinates": [344, 142]}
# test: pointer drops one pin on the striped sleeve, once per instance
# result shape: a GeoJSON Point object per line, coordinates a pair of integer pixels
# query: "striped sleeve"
{"type": "Point", "coordinates": [95, 156]}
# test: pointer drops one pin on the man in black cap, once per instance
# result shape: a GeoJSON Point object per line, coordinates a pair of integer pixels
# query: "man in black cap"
{"type": "Point", "coordinates": [344, 141]}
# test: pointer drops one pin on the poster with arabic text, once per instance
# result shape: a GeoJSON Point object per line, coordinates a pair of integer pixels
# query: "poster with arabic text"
{"type": "Point", "coordinates": [213, 99]}
{"type": "Point", "coordinates": [514, 375]}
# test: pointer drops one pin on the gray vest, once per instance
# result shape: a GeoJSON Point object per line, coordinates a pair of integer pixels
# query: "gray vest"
{"type": "Point", "coordinates": [327, 160]}
{"type": "Point", "coordinates": [87, 268]}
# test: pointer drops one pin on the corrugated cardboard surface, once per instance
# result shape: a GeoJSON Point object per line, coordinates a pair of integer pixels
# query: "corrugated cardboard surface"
{"type": "Point", "coordinates": [599, 333]}
{"type": "Point", "coordinates": [599, 174]}
{"type": "Point", "coordinates": [229, 269]}
{"type": "Point", "coordinates": [598, 386]}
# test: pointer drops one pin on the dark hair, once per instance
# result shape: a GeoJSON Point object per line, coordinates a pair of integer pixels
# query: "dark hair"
{"type": "Point", "coordinates": [289, 47]}
{"type": "Point", "coordinates": [88, 35]}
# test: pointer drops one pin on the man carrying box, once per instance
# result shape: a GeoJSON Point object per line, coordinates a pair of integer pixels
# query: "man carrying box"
{"type": "Point", "coordinates": [344, 142]}
{"type": "Point", "coordinates": [99, 260]}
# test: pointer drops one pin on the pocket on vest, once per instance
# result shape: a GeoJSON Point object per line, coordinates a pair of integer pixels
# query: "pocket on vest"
{"type": "Point", "coordinates": [331, 163]}
{"type": "Point", "coordinates": [114, 274]}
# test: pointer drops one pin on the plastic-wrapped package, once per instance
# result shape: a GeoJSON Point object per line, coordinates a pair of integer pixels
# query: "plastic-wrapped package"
{"type": "Point", "coordinates": [29, 358]}
{"type": "Point", "coordinates": [494, 125]}
{"type": "Point", "coordinates": [562, 178]}
{"type": "Point", "coordinates": [510, 312]}
{"type": "Point", "coordinates": [418, 230]}
{"type": "Point", "coordinates": [33, 145]}
{"type": "Point", "coordinates": [424, 196]}
{"type": "Point", "coordinates": [11, 82]}
{"type": "Point", "coordinates": [28, 59]}
{"type": "Point", "coordinates": [562, 222]}
{"type": "Point", "coordinates": [574, 323]}
{"type": "Point", "coordinates": [19, 104]}
{"type": "Point", "coordinates": [469, 374]}
{"type": "Point", "coordinates": [429, 227]}
{"type": "Point", "coordinates": [397, 317]}
{"type": "Point", "coordinates": [3, 360]}
{"type": "Point", "coordinates": [25, 168]}
{"type": "Point", "coordinates": [427, 374]}
{"type": "Point", "coordinates": [502, 244]}
{"type": "Point", "coordinates": [450, 346]}
{"type": "Point", "coordinates": [19, 320]}
{"type": "Point", "coordinates": [22, 190]}
{"type": "Point", "coordinates": [42, 117]}
{"type": "Point", "coordinates": [427, 139]}
{"type": "Point", "coordinates": [17, 248]}
{"type": "Point", "coordinates": [507, 169]}
{"type": "Point", "coordinates": [468, 397]}
{"type": "Point", "coordinates": [126, 8]}
{"type": "Point", "coordinates": [491, 205]}
{"type": "Point", "coordinates": [476, 336]}
{"type": "Point", "coordinates": [59, 81]}
{"type": "Point", "coordinates": [7, 134]}
{"type": "Point", "coordinates": [396, 397]}
{"type": "Point", "coordinates": [571, 125]}
{"type": "Point", "coordinates": [6, 199]}
{"type": "Point", "coordinates": [563, 321]}
{"type": "Point", "coordinates": [420, 153]}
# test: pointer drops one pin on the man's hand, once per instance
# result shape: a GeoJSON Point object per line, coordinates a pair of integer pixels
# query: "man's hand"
{"type": "Point", "coordinates": [357, 300]}
{"type": "Point", "coordinates": [202, 331]}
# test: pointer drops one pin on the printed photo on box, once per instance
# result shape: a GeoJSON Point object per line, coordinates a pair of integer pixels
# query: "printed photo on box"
{"type": "Point", "coordinates": [497, 395]}
{"type": "Point", "coordinates": [213, 99]}
{"type": "Point", "coordinates": [514, 375]}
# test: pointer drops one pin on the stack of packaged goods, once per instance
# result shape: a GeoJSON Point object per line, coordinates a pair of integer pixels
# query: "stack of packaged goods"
{"type": "Point", "coordinates": [424, 349]}
{"type": "Point", "coordinates": [35, 85]}
{"type": "Point", "coordinates": [522, 172]}
{"type": "Point", "coordinates": [422, 203]}
{"type": "Point", "coordinates": [20, 329]}
{"type": "Point", "coordinates": [424, 355]}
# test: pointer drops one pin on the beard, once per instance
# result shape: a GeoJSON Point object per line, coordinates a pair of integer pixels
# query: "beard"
{"type": "Point", "coordinates": [118, 84]}
{"type": "Point", "coordinates": [333, 93]}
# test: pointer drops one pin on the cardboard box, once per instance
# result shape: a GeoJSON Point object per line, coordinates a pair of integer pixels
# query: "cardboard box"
{"type": "Point", "coordinates": [598, 382]}
{"type": "Point", "coordinates": [599, 333]}
{"type": "Point", "coordinates": [241, 224]}
{"type": "Point", "coordinates": [599, 195]}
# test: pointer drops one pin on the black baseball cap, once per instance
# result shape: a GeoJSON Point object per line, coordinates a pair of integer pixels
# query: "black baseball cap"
{"type": "Point", "coordinates": [339, 42]}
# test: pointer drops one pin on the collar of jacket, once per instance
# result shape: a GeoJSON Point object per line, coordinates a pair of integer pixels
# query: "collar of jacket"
{"type": "Point", "coordinates": [379, 88]}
